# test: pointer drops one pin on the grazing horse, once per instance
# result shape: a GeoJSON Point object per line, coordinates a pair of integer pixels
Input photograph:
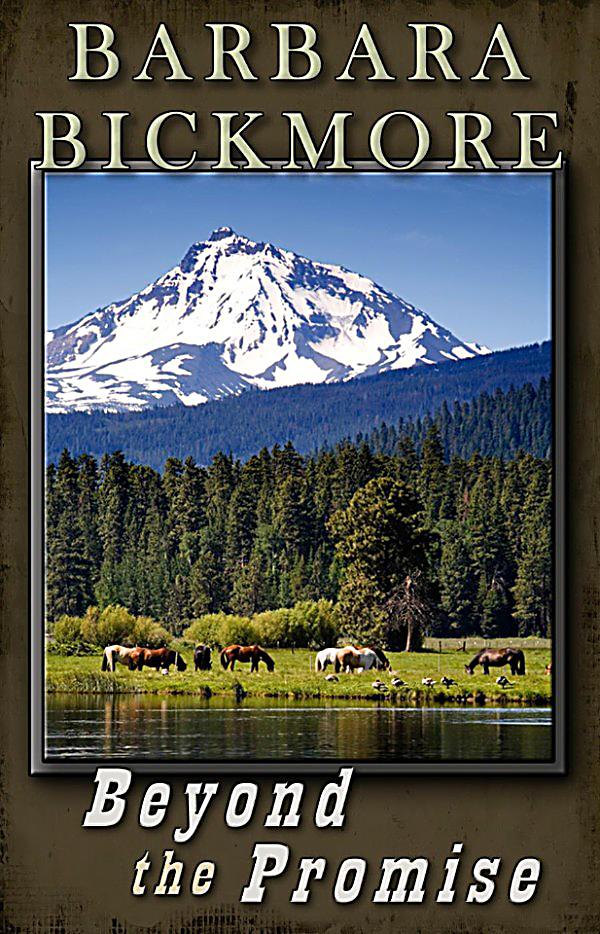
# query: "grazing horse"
{"type": "Point", "coordinates": [202, 660]}
{"type": "Point", "coordinates": [156, 658]}
{"type": "Point", "coordinates": [349, 659]}
{"type": "Point", "coordinates": [382, 660]}
{"type": "Point", "coordinates": [113, 654]}
{"type": "Point", "coordinates": [246, 653]}
{"type": "Point", "coordinates": [496, 658]}
{"type": "Point", "coordinates": [324, 658]}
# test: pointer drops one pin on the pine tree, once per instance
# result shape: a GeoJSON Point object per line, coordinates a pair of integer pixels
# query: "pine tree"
{"type": "Point", "coordinates": [113, 502]}
{"type": "Point", "coordinates": [87, 513]}
{"type": "Point", "coordinates": [293, 516]}
{"type": "Point", "coordinates": [533, 586]}
{"type": "Point", "coordinates": [380, 541]}
{"type": "Point", "coordinates": [494, 564]}
{"type": "Point", "coordinates": [407, 461]}
{"type": "Point", "coordinates": [250, 593]}
{"type": "Point", "coordinates": [457, 581]}
{"type": "Point", "coordinates": [432, 476]}
{"type": "Point", "coordinates": [242, 516]}
{"type": "Point", "coordinates": [184, 488]}
{"type": "Point", "coordinates": [495, 609]}
{"type": "Point", "coordinates": [207, 589]}
{"type": "Point", "coordinates": [67, 565]}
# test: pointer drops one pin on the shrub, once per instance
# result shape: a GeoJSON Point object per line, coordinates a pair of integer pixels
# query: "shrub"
{"type": "Point", "coordinates": [71, 637]}
{"type": "Point", "coordinates": [67, 629]}
{"type": "Point", "coordinates": [89, 624]}
{"type": "Point", "coordinates": [221, 629]}
{"type": "Point", "coordinates": [310, 624]}
{"type": "Point", "coordinates": [274, 627]}
{"type": "Point", "coordinates": [204, 629]}
{"type": "Point", "coordinates": [83, 636]}
{"type": "Point", "coordinates": [115, 625]}
{"type": "Point", "coordinates": [147, 632]}
{"type": "Point", "coordinates": [313, 624]}
{"type": "Point", "coordinates": [237, 629]}
{"type": "Point", "coordinates": [112, 625]}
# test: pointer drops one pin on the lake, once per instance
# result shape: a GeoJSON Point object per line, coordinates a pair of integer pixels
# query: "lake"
{"type": "Point", "coordinates": [147, 727]}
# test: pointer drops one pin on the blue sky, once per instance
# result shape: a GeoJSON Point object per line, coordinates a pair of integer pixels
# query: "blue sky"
{"type": "Point", "coordinates": [473, 251]}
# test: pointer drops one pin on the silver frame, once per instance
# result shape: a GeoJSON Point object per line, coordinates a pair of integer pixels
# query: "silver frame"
{"type": "Point", "coordinates": [39, 765]}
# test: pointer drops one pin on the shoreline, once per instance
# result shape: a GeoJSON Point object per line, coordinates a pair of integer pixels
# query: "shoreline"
{"type": "Point", "coordinates": [413, 698]}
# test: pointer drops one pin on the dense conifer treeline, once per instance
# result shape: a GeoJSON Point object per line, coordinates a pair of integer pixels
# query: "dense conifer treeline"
{"type": "Point", "coordinates": [312, 417]}
{"type": "Point", "coordinates": [381, 528]}
{"type": "Point", "coordinates": [493, 425]}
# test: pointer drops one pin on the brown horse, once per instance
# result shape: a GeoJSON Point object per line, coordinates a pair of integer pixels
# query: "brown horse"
{"type": "Point", "coordinates": [156, 658]}
{"type": "Point", "coordinates": [496, 658]}
{"type": "Point", "coordinates": [348, 659]}
{"type": "Point", "coordinates": [246, 653]}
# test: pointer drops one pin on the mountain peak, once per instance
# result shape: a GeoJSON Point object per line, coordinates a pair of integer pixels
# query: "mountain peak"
{"type": "Point", "coordinates": [223, 240]}
{"type": "Point", "coordinates": [235, 314]}
{"type": "Point", "coordinates": [222, 233]}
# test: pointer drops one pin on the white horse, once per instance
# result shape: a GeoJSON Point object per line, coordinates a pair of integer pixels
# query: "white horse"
{"type": "Point", "coordinates": [113, 654]}
{"type": "Point", "coordinates": [324, 658]}
{"type": "Point", "coordinates": [376, 658]}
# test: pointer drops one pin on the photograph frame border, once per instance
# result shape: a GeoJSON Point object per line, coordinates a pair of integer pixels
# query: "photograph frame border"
{"type": "Point", "coordinates": [38, 763]}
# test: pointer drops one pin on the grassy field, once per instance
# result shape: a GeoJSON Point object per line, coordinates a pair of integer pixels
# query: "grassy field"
{"type": "Point", "coordinates": [294, 677]}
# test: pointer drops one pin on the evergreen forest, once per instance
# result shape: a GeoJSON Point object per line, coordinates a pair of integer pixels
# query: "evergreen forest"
{"type": "Point", "coordinates": [439, 525]}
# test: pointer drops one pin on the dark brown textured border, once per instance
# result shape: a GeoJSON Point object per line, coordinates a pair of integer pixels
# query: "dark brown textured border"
{"type": "Point", "coordinates": [57, 877]}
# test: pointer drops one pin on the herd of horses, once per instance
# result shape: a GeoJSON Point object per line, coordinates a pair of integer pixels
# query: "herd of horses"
{"type": "Point", "coordinates": [349, 659]}
{"type": "Point", "coordinates": [138, 658]}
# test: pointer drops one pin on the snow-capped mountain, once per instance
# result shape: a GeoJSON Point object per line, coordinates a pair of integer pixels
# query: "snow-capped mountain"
{"type": "Point", "coordinates": [236, 314]}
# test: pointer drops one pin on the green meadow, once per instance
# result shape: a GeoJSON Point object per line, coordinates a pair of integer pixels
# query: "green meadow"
{"type": "Point", "coordinates": [294, 677]}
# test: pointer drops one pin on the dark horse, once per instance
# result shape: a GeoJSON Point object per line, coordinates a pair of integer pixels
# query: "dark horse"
{"type": "Point", "coordinates": [156, 658]}
{"type": "Point", "coordinates": [496, 658]}
{"type": "Point", "coordinates": [246, 653]}
{"type": "Point", "coordinates": [383, 659]}
{"type": "Point", "coordinates": [202, 660]}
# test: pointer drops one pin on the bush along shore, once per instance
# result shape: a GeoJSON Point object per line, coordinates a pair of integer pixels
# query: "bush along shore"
{"type": "Point", "coordinates": [294, 678]}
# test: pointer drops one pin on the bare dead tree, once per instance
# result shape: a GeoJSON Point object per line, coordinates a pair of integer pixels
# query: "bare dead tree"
{"type": "Point", "coordinates": [410, 609]}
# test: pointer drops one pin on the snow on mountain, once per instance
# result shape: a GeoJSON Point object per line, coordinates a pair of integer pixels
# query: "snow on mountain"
{"type": "Point", "coordinates": [236, 314]}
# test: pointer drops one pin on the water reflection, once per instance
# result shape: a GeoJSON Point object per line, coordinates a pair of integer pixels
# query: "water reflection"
{"type": "Point", "coordinates": [142, 726]}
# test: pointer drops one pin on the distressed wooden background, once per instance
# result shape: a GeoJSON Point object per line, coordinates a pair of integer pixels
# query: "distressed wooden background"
{"type": "Point", "coordinates": [59, 878]}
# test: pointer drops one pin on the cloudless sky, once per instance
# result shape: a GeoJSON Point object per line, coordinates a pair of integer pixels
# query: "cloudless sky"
{"type": "Point", "coordinates": [473, 251]}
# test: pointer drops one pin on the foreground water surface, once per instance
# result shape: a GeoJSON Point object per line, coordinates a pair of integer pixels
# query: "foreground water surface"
{"type": "Point", "coordinates": [145, 726]}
